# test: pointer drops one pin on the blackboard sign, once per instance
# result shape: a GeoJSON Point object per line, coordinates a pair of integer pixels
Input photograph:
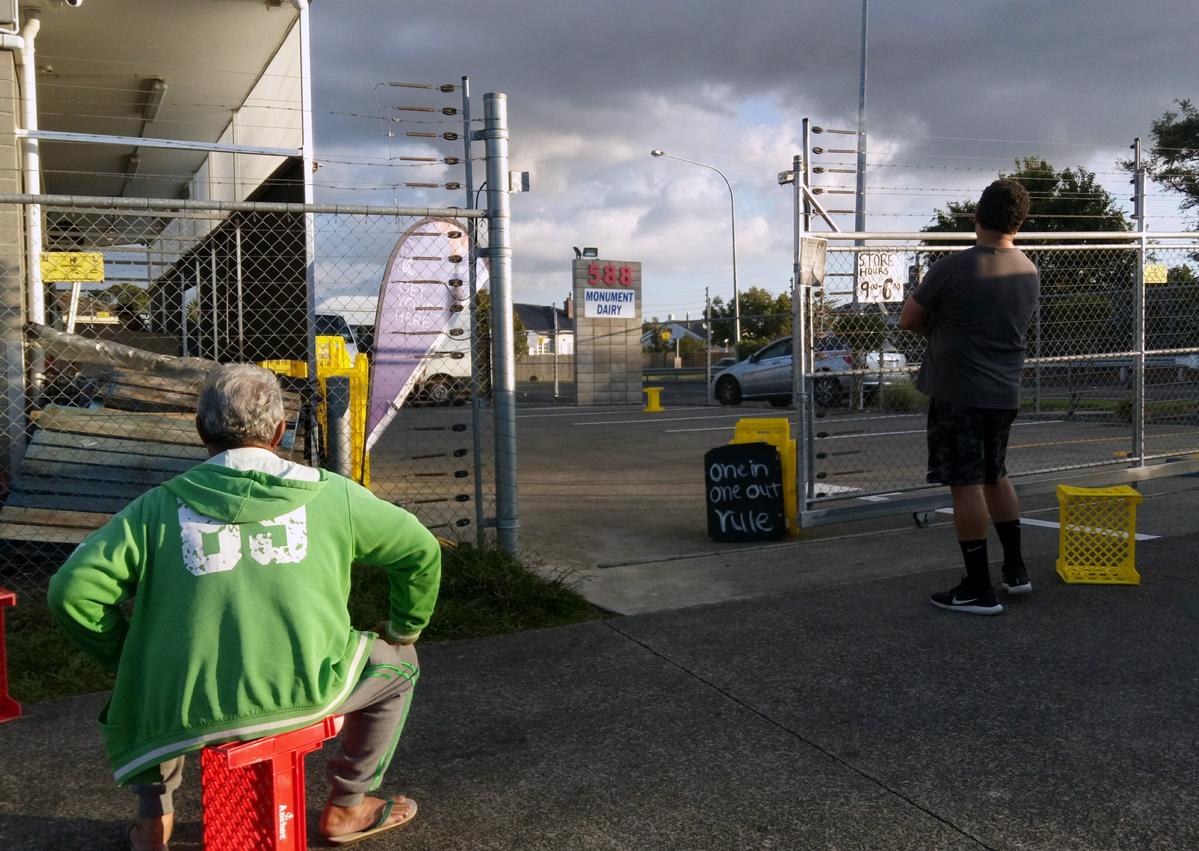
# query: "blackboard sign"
{"type": "Point", "coordinates": [744, 492]}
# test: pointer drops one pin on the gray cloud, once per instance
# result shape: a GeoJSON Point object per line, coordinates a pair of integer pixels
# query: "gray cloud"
{"type": "Point", "coordinates": [593, 86]}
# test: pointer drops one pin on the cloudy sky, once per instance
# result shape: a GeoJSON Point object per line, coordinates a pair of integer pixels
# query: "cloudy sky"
{"type": "Point", "coordinates": [957, 91]}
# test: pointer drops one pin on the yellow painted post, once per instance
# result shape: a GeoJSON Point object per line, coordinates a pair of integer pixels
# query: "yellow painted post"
{"type": "Point", "coordinates": [653, 397]}
{"type": "Point", "coordinates": [1097, 540]}
{"type": "Point", "coordinates": [333, 359]}
{"type": "Point", "coordinates": [777, 432]}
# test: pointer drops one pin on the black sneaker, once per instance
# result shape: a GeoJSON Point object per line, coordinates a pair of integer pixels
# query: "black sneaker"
{"type": "Point", "coordinates": [1016, 581]}
{"type": "Point", "coordinates": [963, 598]}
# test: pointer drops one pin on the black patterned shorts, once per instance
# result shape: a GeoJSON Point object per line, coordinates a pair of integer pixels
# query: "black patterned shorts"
{"type": "Point", "coordinates": [967, 446]}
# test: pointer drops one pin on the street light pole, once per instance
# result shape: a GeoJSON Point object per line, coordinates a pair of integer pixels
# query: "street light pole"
{"type": "Point", "coordinates": [733, 228]}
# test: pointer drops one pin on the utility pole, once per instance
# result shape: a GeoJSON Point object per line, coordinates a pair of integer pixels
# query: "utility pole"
{"type": "Point", "coordinates": [859, 216]}
{"type": "Point", "coordinates": [708, 341]}
{"type": "Point", "coordinates": [554, 310]}
{"type": "Point", "coordinates": [859, 197]}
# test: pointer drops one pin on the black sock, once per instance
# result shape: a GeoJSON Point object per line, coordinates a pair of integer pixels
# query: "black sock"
{"type": "Point", "coordinates": [974, 553]}
{"type": "Point", "coordinates": [1009, 536]}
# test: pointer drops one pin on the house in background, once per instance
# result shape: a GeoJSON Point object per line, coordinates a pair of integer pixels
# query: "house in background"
{"type": "Point", "coordinates": [673, 330]}
{"type": "Point", "coordinates": [538, 321]}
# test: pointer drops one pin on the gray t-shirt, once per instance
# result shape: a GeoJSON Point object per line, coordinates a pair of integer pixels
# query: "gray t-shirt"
{"type": "Point", "coordinates": [982, 300]}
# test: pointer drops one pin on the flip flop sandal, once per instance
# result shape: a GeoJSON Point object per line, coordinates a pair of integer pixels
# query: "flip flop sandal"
{"type": "Point", "coordinates": [129, 839]}
{"type": "Point", "coordinates": [381, 824]}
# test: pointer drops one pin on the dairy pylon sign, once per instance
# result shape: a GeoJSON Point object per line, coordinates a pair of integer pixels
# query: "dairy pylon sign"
{"type": "Point", "coordinates": [611, 287]}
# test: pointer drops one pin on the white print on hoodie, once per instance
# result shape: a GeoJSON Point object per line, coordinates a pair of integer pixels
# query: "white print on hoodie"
{"type": "Point", "coordinates": [211, 546]}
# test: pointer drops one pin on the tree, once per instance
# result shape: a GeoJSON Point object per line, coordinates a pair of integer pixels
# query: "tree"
{"type": "Point", "coordinates": [1086, 296]}
{"type": "Point", "coordinates": [520, 340]}
{"type": "Point", "coordinates": [764, 317]}
{"type": "Point", "coordinates": [129, 297]}
{"type": "Point", "coordinates": [1066, 200]}
{"type": "Point", "coordinates": [1172, 310]}
{"type": "Point", "coordinates": [1173, 160]}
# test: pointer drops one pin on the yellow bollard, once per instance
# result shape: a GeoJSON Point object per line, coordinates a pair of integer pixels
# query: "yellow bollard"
{"type": "Point", "coordinates": [653, 397]}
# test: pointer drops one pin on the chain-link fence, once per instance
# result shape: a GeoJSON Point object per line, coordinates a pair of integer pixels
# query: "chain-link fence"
{"type": "Point", "coordinates": [102, 407]}
{"type": "Point", "coordinates": [1111, 379]}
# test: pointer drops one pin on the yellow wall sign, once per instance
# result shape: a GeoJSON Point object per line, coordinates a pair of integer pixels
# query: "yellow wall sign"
{"type": "Point", "coordinates": [1156, 273]}
{"type": "Point", "coordinates": [83, 266]}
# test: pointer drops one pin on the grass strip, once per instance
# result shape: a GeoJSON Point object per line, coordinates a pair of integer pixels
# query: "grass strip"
{"type": "Point", "coordinates": [484, 592]}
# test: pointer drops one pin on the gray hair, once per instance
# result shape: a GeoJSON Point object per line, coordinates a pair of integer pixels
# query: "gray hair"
{"type": "Point", "coordinates": [240, 404]}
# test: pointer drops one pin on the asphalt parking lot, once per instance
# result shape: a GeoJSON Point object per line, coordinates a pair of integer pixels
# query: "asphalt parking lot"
{"type": "Point", "coordinates": [616, 488]}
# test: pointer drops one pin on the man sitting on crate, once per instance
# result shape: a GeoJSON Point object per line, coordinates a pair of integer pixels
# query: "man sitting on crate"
{"type": "Point", "coordinates": [239, 571]}
{"type": "Point", "coordinates": [975, 307]}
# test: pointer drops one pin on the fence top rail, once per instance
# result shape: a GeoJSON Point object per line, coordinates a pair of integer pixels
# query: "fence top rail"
{"type": "Point", "coordinates": [150, 205]}
{"type": "Point", "coordinates": [960, 236]}
{"type": "Point", "coordinates": [1191, 245]}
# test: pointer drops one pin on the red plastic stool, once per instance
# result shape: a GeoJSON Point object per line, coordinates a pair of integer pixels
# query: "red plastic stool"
{"type": "Point", "coordinates": [9, 708]}
{"type": "Point", "coordinates": [253, 792]}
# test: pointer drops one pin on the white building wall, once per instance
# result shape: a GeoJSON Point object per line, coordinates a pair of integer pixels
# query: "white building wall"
{"type": "Point", "coordinates": [270, 116]}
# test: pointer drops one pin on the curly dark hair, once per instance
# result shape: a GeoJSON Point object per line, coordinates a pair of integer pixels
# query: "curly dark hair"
{"type": "Point", "coordinates": [1003, 206]}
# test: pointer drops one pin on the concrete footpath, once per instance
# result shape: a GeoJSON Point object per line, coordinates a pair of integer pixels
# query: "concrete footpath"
{"type": "Point", "coordinates": [848, 717]}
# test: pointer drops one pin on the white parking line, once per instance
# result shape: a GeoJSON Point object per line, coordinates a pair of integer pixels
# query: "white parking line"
{"type": "Point", "coordinates": [848, 436]}
{"type": "Point", "coordinates": [575, 412]}
{"type": "Point", "coordinates": [1049, 524]}
{"type": "Point", "coordinates": [651, 421]}
{"type": "Point", "coordinates": [864, 434]}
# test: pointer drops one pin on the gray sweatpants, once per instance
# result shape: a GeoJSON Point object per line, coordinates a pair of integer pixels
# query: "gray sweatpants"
{"type": "Point", "coordinates": [374, 712]}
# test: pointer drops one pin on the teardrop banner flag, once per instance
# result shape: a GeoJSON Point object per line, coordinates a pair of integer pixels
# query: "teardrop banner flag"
{"type": "Point", "coordinates": [424, 288]}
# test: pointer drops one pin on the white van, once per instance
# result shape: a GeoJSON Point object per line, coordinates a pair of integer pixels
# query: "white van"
{"type": "Point", "coordinates": [445, 377]}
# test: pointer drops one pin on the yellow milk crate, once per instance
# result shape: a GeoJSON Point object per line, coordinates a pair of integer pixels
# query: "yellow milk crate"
{"type": "Point", "coordinates": [777, 432]}
{"type": "Point", "coordinates": [1097, 542]}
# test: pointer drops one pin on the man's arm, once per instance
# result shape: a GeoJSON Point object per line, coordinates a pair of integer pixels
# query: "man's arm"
{"type": "Point", "coordinates": [87, 591]}
{"type": "Point", "coordinates": [916, 317]}
{"type": "Point", "coordinates": [389, 537]}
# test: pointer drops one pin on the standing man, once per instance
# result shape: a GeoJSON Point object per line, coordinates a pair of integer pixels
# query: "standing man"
{"type": "Point", "coordinates": [975, 306]}
{"type": "Point", "coordinates": [239, 573]}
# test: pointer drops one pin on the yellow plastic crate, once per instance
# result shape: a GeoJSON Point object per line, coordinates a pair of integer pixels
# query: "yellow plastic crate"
{"type": "Point", "coordinates": [777, 432]}
{"type": "Point", "coordinates": [332, 359]}
{"type": "Point", "coordinates": [1097, 542]}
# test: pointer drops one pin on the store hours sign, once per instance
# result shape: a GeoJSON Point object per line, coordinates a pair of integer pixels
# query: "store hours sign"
{"type": "Point", "coordinates": [611, 289]}
{"type": "Point", "coordinates": [881, 276]}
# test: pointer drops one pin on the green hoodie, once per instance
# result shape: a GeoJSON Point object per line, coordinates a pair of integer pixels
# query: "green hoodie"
{"type": "Point", "coordinates": [239, 627]}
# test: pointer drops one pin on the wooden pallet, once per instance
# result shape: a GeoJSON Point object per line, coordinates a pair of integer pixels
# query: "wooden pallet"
{"type": "Point", "coordinates": [138, 391]}
{"type": "Point", "coordinates": [82, 466]}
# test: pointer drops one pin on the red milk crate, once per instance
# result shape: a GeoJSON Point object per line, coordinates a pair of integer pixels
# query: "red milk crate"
{"type": "Point", "coordinates": [9, 708]}
{"type": "Point", "coordinates": [253, 792]}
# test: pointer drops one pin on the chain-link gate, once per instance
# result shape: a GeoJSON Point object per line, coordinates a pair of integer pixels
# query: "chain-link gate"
{"type": "Point", "coordinates": [103, 407]}
{"type": "Point", "coordinates": [1110, 388]}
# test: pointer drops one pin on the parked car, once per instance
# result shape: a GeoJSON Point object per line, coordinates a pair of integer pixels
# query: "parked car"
{"type": "Point", "coordinates": [893, 359]}
{"type": "Point", "coordinates": [766, 374]}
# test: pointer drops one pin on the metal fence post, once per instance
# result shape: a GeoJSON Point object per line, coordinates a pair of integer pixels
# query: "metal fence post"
{"type": "Point", "coordinates": [1037, 369]}
{"type": "Point", "coordinates": [1138, 313]}
{"type": "Point", "coordinates": [241, 296]}
{"type": "Point", "coordinates": [307, 152]}
{"type": "Point", "coordinates": [476, 388]}
{"type": "Point", "coordinates": [499, 253]}
{"type": "Point", "coordinates": [799, 348]}
{"type": "Point", "coordinates": [337, 418]}
{"type": "Point", "coordinates": [216, 327]}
